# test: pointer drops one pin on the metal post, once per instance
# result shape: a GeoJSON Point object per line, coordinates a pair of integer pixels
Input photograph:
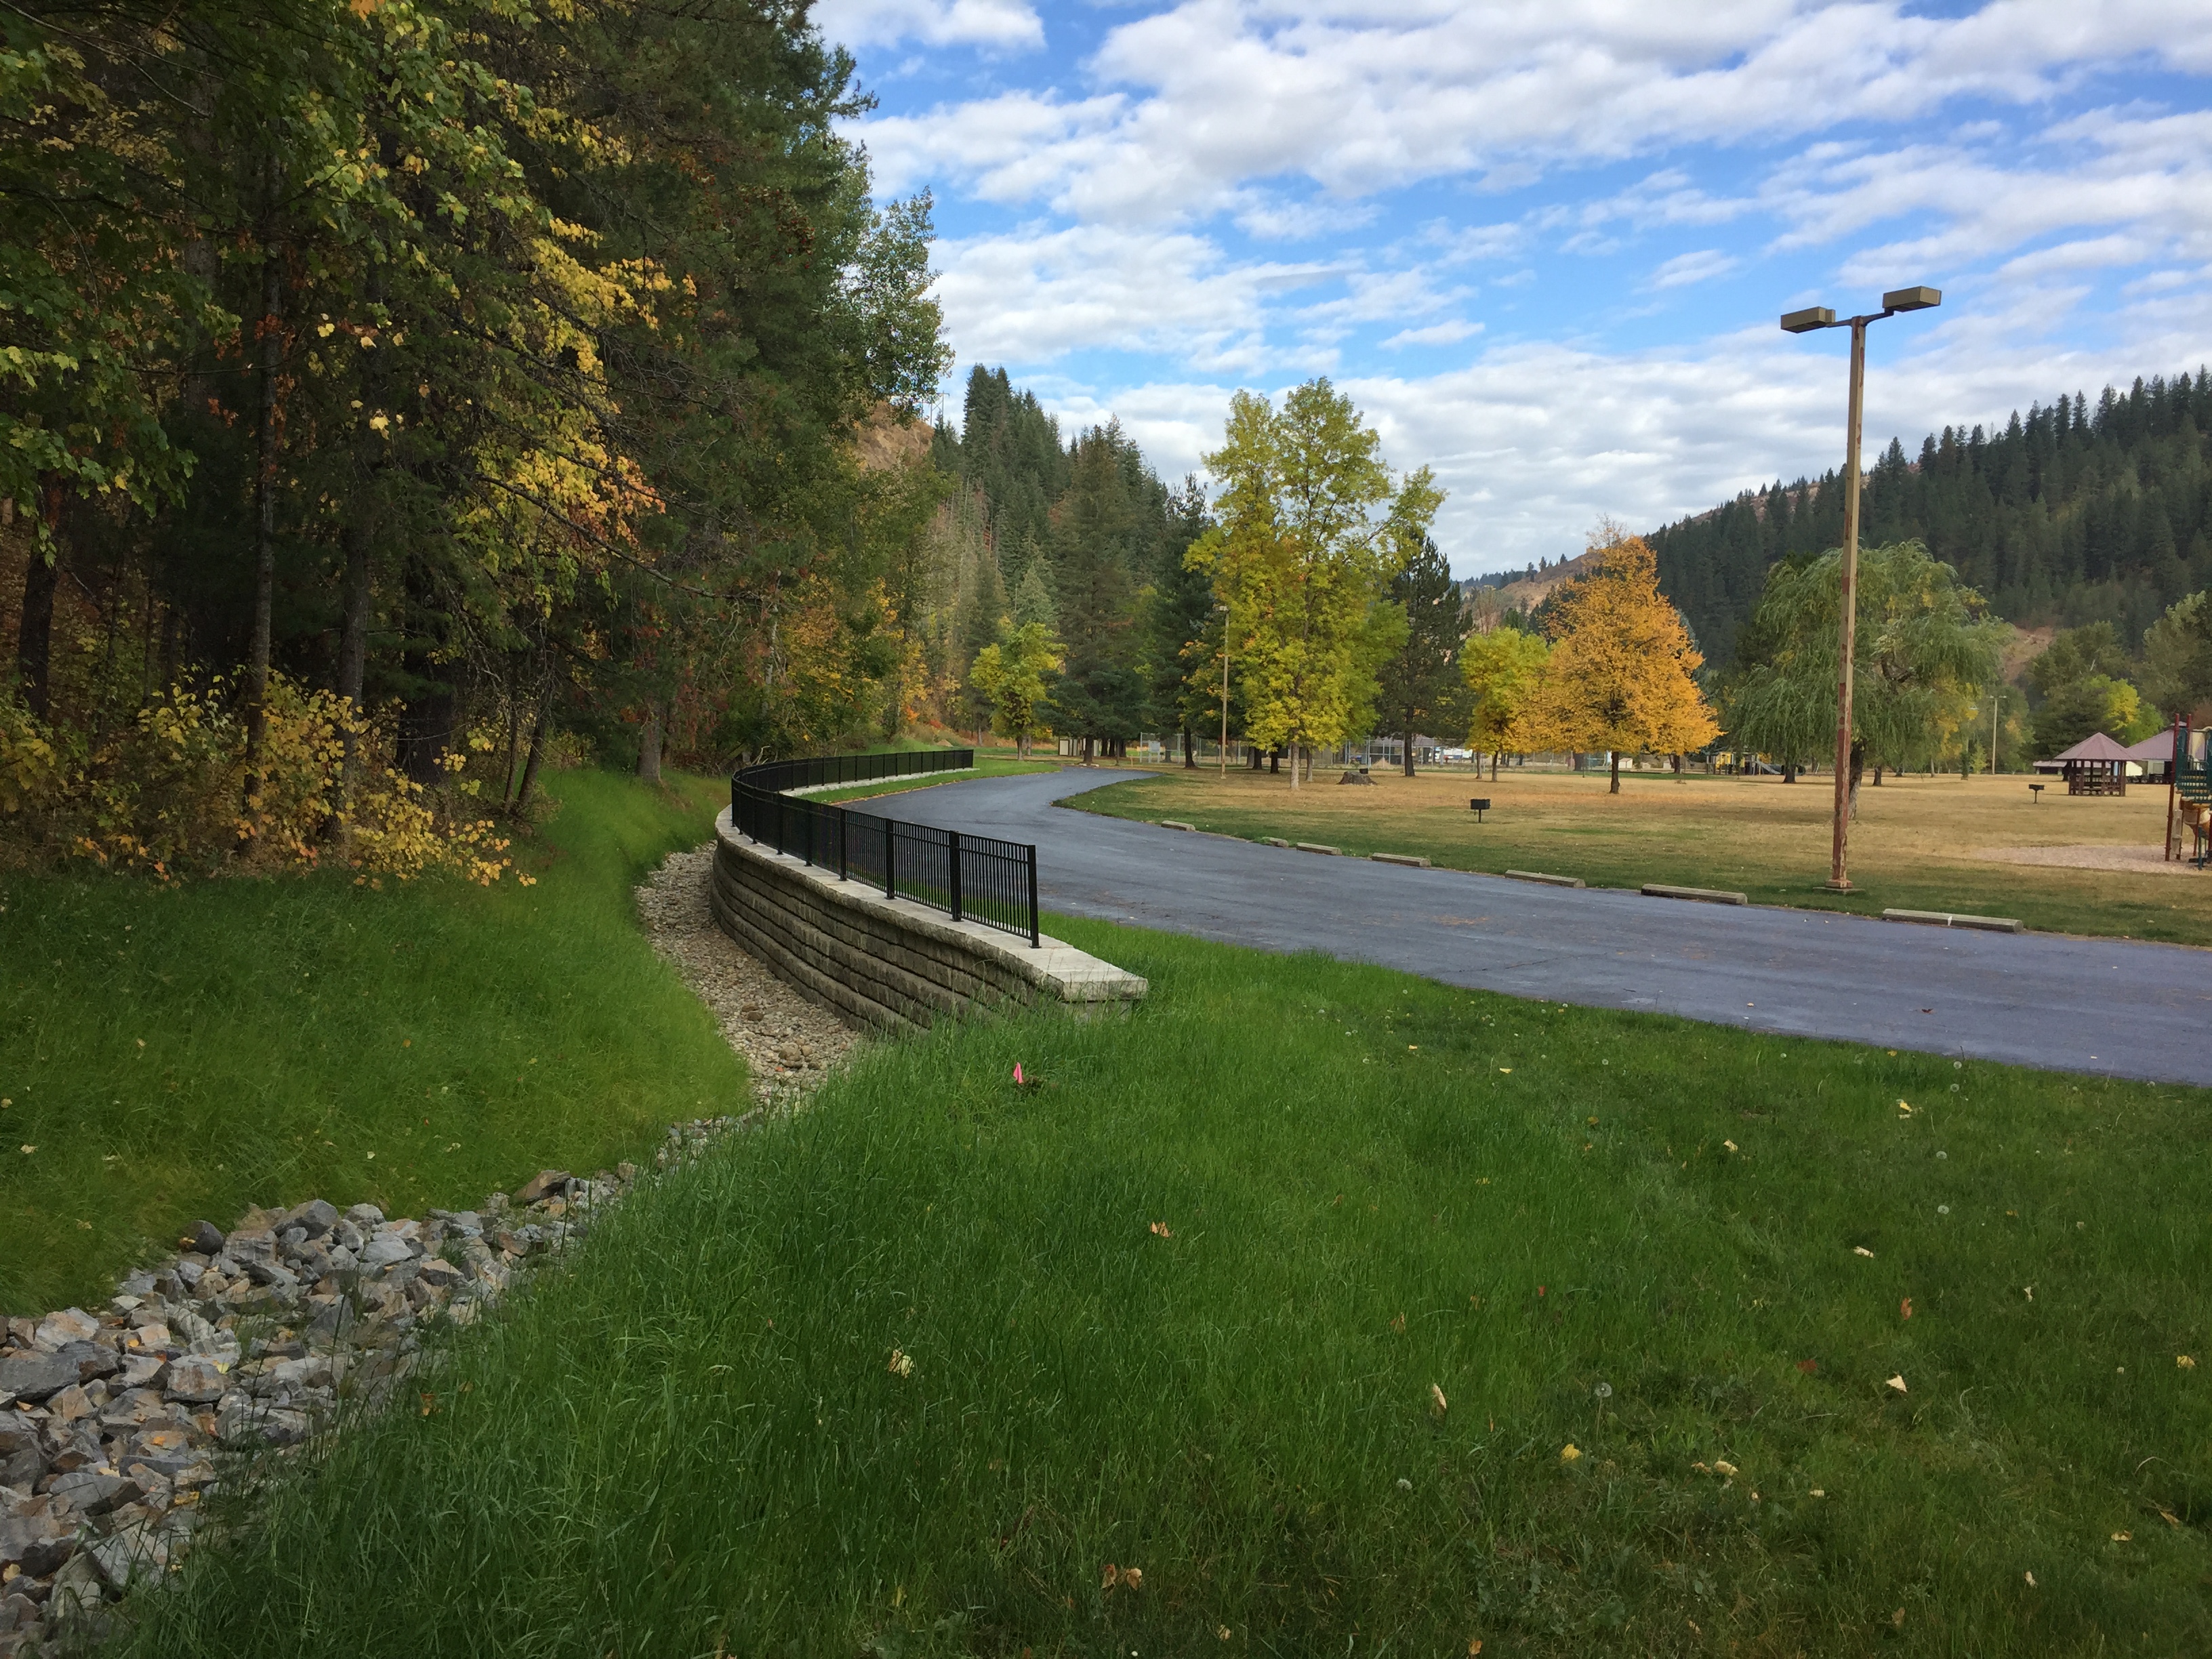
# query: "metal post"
{"type": "Point", "coordinates": [890, 858]}
{"type": "Point", "coordinates": [1996, 700]}
{"type": "Point", "coordinates": [1033, 907]}
{"type": "Point", "coordinates": [1848, 603]}
{"type": "Point", "coordinates": [1224, 699]}
{"type": "Point", "coordinates": [955, 834]}
{"type": "Point", "coordinates": [841, 822]}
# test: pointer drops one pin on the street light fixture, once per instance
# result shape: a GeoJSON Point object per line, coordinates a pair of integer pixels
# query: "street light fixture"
{"type": "Point", "coordinates": [1805, 322]}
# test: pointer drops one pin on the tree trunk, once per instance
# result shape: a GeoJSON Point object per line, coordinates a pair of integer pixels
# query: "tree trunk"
{"type": "Point", "coordinates": [537, 752]}
{"type": "Point", "coordinates": [648, 747]}
{"type": "Point", "coordinates": [1274, 762]}
{"type": "Point", "coordinates": [1408, 757]}
{"type": "Point", "coordinates": [264, 504]}
{"type": "Point", "coordinates": [1858, 770]}
{"type": "Point", "coordinates": [1789, 771]}
{"type": "Point", "coordinates": [1189, 752]}
{"type": "Point", "coordinates": [1615, 787]}
{"type": "Point", "coordinates": [34, 638]}
{"type": "Point", "coordinates": [353, 641]}
{"type": "Point", "coordinates": [513, 745]}
{"type": "Point", "coordinates": [1877, 775]}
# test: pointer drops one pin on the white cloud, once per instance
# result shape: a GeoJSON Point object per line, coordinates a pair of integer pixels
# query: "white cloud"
{"type": "Point", "coordinates": [1002, 24]}
{"type": "Point", "coordinates": [1700, 267]}
{"type": "Point", "coordinates": [1361, 97]}
{"type": "Point", "coordinates": [1445, 333]}
{"type": "Point", "coordinates": [1031, 297]}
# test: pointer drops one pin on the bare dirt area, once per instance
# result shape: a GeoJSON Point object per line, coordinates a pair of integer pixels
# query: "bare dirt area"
{"type": "Point", "coordinates": [790, 1043]}
{"type": "Point", "coordinates": [2135, 861]}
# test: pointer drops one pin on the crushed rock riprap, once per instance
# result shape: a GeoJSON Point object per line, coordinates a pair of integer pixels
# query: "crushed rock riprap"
{"type": "Point", "coordinates": [790, 1043]}
{"type": "Point", "coordinates": [116, 1426]}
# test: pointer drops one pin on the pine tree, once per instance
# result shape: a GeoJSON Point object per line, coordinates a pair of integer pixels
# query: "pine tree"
{"type": "Point", "coordinates": [1420, 687]}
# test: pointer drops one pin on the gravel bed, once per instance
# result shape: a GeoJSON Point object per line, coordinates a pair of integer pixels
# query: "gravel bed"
{"type": "Point", "coordinates": [790, 1043]}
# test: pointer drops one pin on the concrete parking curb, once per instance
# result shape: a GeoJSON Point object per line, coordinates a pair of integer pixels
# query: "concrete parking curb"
{"type": "Point", "coordinates": [1177, 824]}
{"type": "Point", "coordinates": [1316, 847]}
{"type": "Point", "coordinates": [1946, 919]}
{"type": "Point", "coordinates": [1548, 881]}
{"type": "Point", "coordinates": [1704, 894]}
{"type": "Point", "coordinates": [1406, 859]}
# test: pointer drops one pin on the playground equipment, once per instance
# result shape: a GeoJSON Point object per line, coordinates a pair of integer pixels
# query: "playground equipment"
{"type": "Point", "coordinates": [2188, 801]}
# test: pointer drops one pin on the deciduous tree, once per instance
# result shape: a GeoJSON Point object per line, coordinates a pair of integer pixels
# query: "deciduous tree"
{"type": "Point", "coordinates": [1920, 645]}
{"type": "Point", "coordinates": [1620, 674]}
{"type": "Point", "coordinates": [1312, 528]}
{"type": "Point", "coordinates": [1502, 669]}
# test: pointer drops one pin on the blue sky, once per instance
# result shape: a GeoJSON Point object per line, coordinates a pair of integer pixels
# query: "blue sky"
{"type": "Point", "coordinates": [1544, 243]}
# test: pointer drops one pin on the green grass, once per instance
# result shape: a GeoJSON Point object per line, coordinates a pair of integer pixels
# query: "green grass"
{"type": "Point", "coordinates": [187, 1051]}
{"type": "Point", "coordinates": [690, 1441]}
{"type": "Point", "coordinates": [987, 766]}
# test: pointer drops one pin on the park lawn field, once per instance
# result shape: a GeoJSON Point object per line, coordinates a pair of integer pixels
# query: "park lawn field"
{"type": "Point", "coordinates": [1911, 847]}
{"type": "Point", "coordinates": [168, 1053]}
{"type": "Point", "coordinates": [1315, 1309]}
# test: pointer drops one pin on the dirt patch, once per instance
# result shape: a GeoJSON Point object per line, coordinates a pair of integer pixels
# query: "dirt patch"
{"type": "Point", "coordinates": [790, 1044]}
{"type": "Point", "coordinates": [2135, 861]}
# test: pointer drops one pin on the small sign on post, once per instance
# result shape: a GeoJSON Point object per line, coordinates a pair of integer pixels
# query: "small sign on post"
{"type": "Point", "coordinates": [2035, 793]}
{"type": "Point", "coordinates": [1479, 806]}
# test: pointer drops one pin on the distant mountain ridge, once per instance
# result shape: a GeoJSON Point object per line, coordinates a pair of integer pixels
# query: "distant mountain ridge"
{"type": "Point", "coordinates": [2072, 514]}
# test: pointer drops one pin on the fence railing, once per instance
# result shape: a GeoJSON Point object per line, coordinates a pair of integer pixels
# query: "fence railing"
{"type": "Point", "coordinates": [971, 877]}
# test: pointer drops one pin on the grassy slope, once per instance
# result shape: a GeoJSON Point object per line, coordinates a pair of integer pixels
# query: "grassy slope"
{"type": "Point", "coordinates": [987, 766]}
{"type": "Point", "coordinates": [183, 1052]}
{"type": "Point", "coordinates": [1911, 848]}
{"type": "Point", "coordinates": [692, 1443]}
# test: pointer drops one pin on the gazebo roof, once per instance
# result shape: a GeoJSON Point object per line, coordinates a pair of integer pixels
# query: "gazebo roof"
{"type": "Point", "coordinates": [2153, 750]}
{"type": "Point", "coordinates": [2095, 747]}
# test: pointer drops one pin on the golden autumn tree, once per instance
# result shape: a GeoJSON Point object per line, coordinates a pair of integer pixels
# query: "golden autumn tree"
{"type": "Point", "coordinates": [1504, 671]}
{"type": "Point", "coordinates": [1620, 672]}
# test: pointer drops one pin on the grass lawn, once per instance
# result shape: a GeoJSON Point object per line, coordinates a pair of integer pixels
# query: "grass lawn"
{"type": "Point", "coordinates": [1293, 1290]}
{"type": "Point", "coordinates": [172, 1053]}
{"type": "Point", "coordinates": [1911, 847]}
{"type": "Point", "coordinates": [987, 766]}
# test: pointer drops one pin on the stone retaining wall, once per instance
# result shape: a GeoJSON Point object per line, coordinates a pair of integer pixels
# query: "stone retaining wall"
{"type": "Point", "coordinates": [894, 965]}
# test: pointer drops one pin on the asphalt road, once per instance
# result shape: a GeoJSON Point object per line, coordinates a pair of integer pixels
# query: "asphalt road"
{"type": "Point", "coordinates": [2098, 1005]}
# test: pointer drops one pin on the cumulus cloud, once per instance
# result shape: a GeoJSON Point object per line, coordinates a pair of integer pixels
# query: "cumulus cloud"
{"type": "Point", "coordinates": [1004, 24]}
{"type": "Point", "coordinates": [1032, 297]}
{"type": "Point", "coordinates": [1361, 97]}
{"type": "Point", "coordinates": [1703, 266]}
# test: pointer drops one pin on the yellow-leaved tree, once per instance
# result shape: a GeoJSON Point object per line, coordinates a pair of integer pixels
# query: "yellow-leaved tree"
{"type": "Point", "coordinates": [1312, 529]}
{"type": "Point", "coordinates": [1504, 670]}
{"type": "Point", "coordinates": [1619, 676]}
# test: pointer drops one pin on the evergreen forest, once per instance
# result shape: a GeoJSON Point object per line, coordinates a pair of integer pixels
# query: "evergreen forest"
{"type": "Point", "coordinates": [1082, 537]}
{"type": "Point", "coordinates": [2075, 514]}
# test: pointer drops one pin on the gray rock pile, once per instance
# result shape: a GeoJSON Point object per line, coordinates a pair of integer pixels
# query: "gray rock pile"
{"type": "Point", "coordinates": [116, 1426]}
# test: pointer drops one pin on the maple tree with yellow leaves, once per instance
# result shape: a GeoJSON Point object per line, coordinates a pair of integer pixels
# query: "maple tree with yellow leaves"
{"type": "Point", "coordinates": [1621, 671]}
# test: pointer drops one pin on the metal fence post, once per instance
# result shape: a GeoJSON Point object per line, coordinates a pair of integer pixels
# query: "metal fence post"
{"type": "Point", "coordinates": [955, 834]}
{"type": "Point", "coordinates": [1033, 907]}
{"type": "Point", "coordinates": [840, 843]}
{"type": "Point", "coordinates": [890, 858]}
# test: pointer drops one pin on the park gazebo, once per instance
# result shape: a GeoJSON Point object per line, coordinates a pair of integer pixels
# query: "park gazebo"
{"type": "Point", "coordinates": [2094, 766]}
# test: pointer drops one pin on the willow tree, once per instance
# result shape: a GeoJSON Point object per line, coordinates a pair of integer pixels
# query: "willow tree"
{"type": "Point", "coordinates": [1921, 647]}
{"type": "Point", "coordinates": [1620, 674]}
{"type": "Point", "coordinates": [1312, 529]}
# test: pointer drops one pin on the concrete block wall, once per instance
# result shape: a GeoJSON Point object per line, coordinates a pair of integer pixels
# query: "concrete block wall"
{"type": "Point", "coordinates": [894, 965]}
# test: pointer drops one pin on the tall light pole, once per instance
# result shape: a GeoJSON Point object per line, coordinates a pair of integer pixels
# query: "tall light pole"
{"type": "Point", "coordinates": [1805, 322]}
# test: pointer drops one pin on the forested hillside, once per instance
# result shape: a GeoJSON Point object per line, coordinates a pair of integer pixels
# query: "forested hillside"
{"type": "Point", "coordinates": [2074, 513]}
{"type": "Point", "coordinates": [1082, 537]}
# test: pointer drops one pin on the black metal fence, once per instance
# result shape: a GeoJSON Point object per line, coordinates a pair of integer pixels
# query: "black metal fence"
{"type": "Point", "coordinates": [969, 876]}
